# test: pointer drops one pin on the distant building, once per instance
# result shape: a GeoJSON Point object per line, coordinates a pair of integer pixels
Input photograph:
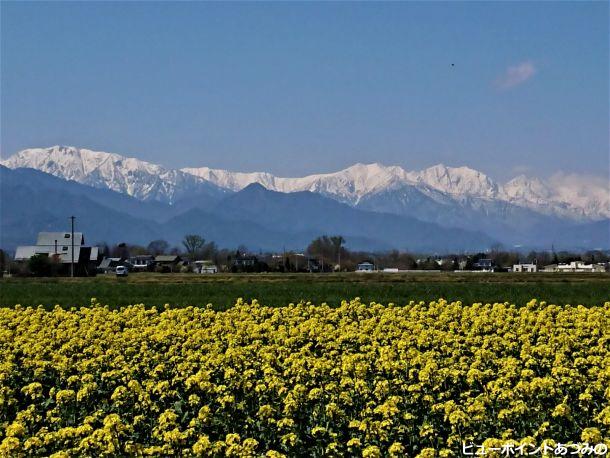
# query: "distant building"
{"type": "Point", "coordinates": [205, 267]}
{"type": "Point", "coordinates": [575, 266]}
{"type": "Point", "coordinates": [168, 262]}
{"type": "Point", "coordinates": [109, 265]}
{"type": "Point", "coordinates": [245, 261]}
{"type": "Point", "coordinates": [248, 263]}
{"type": "Point", "coordinates": [142, 263]}
{"type": "Point", "coordinates": [365, 266]}
{"type": "Point", "coordinates": [484, 265]}
{"type": "Point", "coordinates": [525, 268]}
{"type": "Point", "coordinates": [58, 246]}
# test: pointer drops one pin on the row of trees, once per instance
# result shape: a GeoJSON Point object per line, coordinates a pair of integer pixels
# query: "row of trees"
{"type": "Point", "coordinates": [325, 253]}
{"type": "Point", "coordinates": [193, 247]}
{"type": "Point", "coordinates": [331, 254]}
{"type": "Point", "coordinates": [328, 250]}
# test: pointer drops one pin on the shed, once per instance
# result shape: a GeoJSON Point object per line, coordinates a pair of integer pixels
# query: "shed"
{"type": "Point", "coordinates": [167, 262]}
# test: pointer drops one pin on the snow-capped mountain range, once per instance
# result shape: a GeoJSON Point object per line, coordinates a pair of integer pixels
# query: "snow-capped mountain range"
{"type": "Point", "coordinates": [136, 178]}
{"type": "Point", "coordinates": [366, 185]}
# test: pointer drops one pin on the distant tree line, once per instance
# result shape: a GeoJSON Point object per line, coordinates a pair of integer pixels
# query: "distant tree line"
{"type": "Point", "coordinates": [326, 253]}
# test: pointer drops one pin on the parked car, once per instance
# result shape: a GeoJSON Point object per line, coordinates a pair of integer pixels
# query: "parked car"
{"type": "Point", "coordinates": [121, 271]}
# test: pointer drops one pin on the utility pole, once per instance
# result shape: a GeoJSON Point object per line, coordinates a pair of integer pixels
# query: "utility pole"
{"type": "Point", "coordinates": [339, 257]}
{"type": "Point", "coordinates": [72, 218]}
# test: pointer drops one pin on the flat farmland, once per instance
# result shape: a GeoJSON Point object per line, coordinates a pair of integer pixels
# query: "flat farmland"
{"type": "Point", "coordinates": [222, 290]}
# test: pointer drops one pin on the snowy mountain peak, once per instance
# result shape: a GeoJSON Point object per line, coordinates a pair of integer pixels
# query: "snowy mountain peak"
{"type": "Point", "coordinates": [361, 179]}
{"type": "Point", "coordinates": [525, 188]}
{"type": "Point", "coordinates": [75, 163]}
{"type": "Point", "coordinates": [372, 168]}
{"type": "Point", "coordinates": [457, 181]}
{"type": "Point", "coordinates": [375, 174]}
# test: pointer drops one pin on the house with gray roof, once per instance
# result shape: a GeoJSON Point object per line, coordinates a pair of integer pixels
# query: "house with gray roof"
{"type": "Point", "coordinates": [58, 247]}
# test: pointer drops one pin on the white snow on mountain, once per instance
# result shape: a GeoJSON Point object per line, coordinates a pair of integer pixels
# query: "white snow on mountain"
{"type": "Point", "coordinates": [457, 181]}
{"type": "Point", "coordinates": [583, 194]}
{"type": "Point", "coordinates": [572, 196]}
{"type": "Point", "coordinates": [347, 185]}
{"type": "Point", "coordinates": [233, 181]}
{"type": "Point", "coordinates": [139, 179]}
{"type": "Point", "coordinates": [359, 180]}
{"type": "Point", "coordinates": [524, 189]}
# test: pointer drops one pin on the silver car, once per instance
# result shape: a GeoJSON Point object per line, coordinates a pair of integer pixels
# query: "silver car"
{"type": "Point", "coordinates": [121, 271]}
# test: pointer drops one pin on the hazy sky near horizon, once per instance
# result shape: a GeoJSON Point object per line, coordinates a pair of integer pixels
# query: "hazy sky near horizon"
{"type": "Point", "coordinates": [299, 88]}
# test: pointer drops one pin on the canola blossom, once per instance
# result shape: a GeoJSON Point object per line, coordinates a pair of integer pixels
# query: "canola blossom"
{"type": "Point", "coordinates": [366, 380]}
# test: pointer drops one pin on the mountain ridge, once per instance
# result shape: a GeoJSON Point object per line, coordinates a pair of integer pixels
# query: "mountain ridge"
{"type": "Point", "coordinates": [259, 218]}
{"type": "Point", "coordinates": [134, 177]}
{"type": "Point", "coordinates": [459, 186]}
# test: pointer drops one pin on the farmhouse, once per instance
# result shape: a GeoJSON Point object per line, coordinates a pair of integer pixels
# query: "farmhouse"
{"type": "Point", "coordinates": [484, 265]}
{"type": "Point", "coordinates": [168, 263]}
{"type": "Point", "coordinates": [575, 266]}
{"type": "Point", "coordinates": [109, 264]}
{"type": "Point", "coordinates": [58, 247]}
{"type": "Point", "coordinates": [525, 268]}
{"type": "Point", "coordinates": [205, 267]}
{"type": "Point", "coordinates": [142, 263]}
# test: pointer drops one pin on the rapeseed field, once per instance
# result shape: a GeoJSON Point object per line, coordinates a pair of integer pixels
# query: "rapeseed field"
{"type": "Point", "coordinates": [361, 379]}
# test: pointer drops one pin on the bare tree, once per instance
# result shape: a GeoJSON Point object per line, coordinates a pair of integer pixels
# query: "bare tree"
{"type": "Point", "coordinates": [325, 247]}
{"type": "Point", "coordinates": [193, 244]}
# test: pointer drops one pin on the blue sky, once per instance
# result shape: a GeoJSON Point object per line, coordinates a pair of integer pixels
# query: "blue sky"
{"type": "Point", "coordinates": [296, 88]}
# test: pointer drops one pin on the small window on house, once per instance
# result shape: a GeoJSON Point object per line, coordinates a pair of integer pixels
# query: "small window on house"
{"type": "Point", "coordinates": [64, 248]}
{"type": "Point", "coordinates": [66, 236]}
